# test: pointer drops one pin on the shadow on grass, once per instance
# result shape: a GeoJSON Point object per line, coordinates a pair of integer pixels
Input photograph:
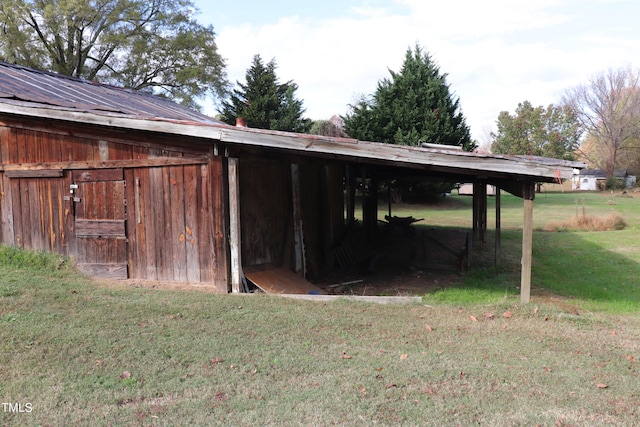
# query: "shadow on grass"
{"type": "Point", "coordinates": [597, 275]}
{"type": "Point", "coordinates": [571, 264]}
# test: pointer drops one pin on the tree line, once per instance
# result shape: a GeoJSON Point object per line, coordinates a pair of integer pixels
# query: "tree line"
{"type": "Point", "coordinates": [158, 46]}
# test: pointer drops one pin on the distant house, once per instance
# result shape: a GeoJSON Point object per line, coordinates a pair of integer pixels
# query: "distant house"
{"type": "Point", "coordinates": [596, 179]}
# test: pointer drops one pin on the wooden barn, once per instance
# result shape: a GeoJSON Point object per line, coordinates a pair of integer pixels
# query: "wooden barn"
{"type": "Point", "coordinates": [134, 186]}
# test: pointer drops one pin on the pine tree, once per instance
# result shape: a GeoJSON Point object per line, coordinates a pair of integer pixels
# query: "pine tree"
{"type": "Point", "coordinates": [265, 103]}
{"type": "Point", "coordinates": [412, 105]}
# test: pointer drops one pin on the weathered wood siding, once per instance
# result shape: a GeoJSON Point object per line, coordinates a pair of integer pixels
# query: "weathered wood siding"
{"type": "Point", "coordinates": [164, 222]}
{"type": "Point", "coordinates": [322, 212]}
{"type": "Point", "coordinates": [266, 211]}
{"type": "Point", "coordinates": [176, 223]}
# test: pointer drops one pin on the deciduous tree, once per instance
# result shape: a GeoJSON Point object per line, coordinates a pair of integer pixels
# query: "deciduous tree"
{"type": "Point", "coordinates": [537, 131]}
{"type": "Point", "coordinates": [332, 127]}
{"type": "Point", "coordinates": [608, 108]}
{"type": "Point", "coordinates": [153, 46]}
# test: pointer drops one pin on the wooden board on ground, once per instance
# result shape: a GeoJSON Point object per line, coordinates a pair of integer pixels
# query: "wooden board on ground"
{"type": "Point", "coordinates": [274, 280]}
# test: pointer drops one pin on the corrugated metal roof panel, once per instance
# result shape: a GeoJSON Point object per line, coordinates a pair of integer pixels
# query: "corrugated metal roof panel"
{"type": "Point", "coordinates": [43, 88]}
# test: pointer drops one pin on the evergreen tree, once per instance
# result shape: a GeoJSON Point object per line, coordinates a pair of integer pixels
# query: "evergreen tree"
{"type": "Point", "coordinates": [411, 106]}
{"type": "Point", "coordinates": [265, 103]}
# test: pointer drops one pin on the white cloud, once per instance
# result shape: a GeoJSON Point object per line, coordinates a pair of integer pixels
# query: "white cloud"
{"type": "Point", "coordinates": [496, 53]}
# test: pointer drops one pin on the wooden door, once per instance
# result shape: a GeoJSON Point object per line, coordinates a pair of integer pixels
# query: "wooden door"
{"type": "Point", "coordinates": [100, 215]}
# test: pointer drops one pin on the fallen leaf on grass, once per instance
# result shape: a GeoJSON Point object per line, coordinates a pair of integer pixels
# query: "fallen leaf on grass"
{"type": "Point", "coordinates": [388, 386]}
{"type": "Point", "coordinates": [601, 385]}
{"type": "Point", "coordinates": [473, 318]}
{"type": "Point", "coordinates": [507, 314]}
{"type": "Point", "coordinates": [125, 375]}
{"type": "Point", "coordinates": [631, 359]}
{"type": "Point", "coordinates": [489, 316]}
{"type": "Point", "coordinates": [221, 396]}
{"type": "Point", "coordinates": [345, 355]}
{"type": "Point", "coordinates": [216, 360]}
{"type": "Point", "coordinates": [403, 356]}
{"type": "Point", "coordinates": [535, 310]}
{"type": "Point", "coordinates": [428, 328]}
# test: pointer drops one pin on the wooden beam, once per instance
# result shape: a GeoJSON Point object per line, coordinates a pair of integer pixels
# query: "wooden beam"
{"type": "Point", "coordinates": [498, 236]}
{"type": "Point", "coordinates": [474, 211]}
{"type": "Point", "coordinates": [483, 212]}
{"type": "Point", "coordinates": [234, 226]}
{"type": "Point", "coordinates": [42, 173]}
{"type": "Point", "coordinates": [350, 196]}
{"type": "Point", "coordinates": [527, 243]}
{"type": "Point", "coordinates": [105, 164]}
{"type": "Point", "coordinates": [298, 234]}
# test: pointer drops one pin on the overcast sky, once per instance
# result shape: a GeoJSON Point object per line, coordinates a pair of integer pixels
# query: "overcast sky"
{"type": "Point", "coordinates": [496, 53]}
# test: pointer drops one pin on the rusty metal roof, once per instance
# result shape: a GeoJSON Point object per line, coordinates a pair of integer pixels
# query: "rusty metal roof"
{"type": "Point", "coordinates": [36, 88]}
{"type": "Point", "coordinates": [28, 92]}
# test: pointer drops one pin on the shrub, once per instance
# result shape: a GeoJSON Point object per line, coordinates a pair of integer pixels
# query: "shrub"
{"type": "Point", "coordinates": [612, 221]}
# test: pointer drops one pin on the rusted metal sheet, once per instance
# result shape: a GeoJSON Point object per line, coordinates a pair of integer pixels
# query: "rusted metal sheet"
{"type": "Point", "coordinates": [281, 281]}
{"type": "Point", "coordinates": [49, 90]}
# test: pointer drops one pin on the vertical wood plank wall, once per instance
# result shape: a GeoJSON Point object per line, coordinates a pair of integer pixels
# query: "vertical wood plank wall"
{"type": "Point", "coordinates": [175, 214]}
{"type": "Point", "coordinates": [266, 211]}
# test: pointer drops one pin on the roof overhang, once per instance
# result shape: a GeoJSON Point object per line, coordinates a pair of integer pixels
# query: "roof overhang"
{"type": "Point", "coordinates": [454, 164]}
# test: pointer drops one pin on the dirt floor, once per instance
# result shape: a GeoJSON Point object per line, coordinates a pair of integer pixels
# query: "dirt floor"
{"type": "Point", "coordinates": [403, 263]}
{"type": "Point", "coordinates": [414, 282]}
{"type": "Point", "coordinates": [344, 282]}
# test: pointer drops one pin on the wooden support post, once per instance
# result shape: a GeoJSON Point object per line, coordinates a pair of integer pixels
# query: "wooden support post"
{"type": "Point", "coordinates": [480, 211]}
{"type": "Point", "coordinates": [350, 200]}
{"type": "Point", "coordinates": [498, 237]}
{"type": "Point", "coordinates": [370, 208]}
{"type": "Point", "coordinates": [482, 214]}
{"type": "Point", "coordinates": [475, 210]}
{"type": "Point", "coordinates": [298, 235]}
{"type": "Point", "coordinates": [234, 227]}
{"type": "Point", "coordinates": [389, 196]}
{"type": "Point", "coordinates": [327, 203]}
{"type": "Point", "coordinates": [527, 242]}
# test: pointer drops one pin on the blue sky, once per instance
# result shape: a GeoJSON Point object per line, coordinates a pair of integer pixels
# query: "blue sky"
{"type": "Point", "coordinates": [496, 53]}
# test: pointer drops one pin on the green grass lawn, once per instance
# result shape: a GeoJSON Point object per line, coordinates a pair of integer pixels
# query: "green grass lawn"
{"type": "Point", "coordinates": [600, 269]}
{"type": "Point", "coordinates": [83, 353]}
